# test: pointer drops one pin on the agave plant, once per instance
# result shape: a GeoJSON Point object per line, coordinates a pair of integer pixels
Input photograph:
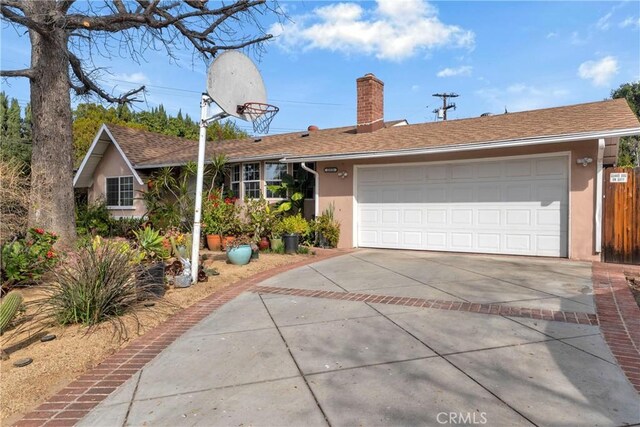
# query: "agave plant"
{"type": "Point", "coordinates": [151, 244]}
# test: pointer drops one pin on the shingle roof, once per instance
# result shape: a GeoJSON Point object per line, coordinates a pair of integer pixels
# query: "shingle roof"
{"type": "Point", "coordinates": [149, 149]}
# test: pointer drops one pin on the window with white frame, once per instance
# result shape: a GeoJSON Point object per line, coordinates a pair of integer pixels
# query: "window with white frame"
{"type": "Point", "coordinates": [273, 174]}
{"type": "Point", "coordinates": [120, 192]}
{"type": "Point", "coordinates": [235, 180]}
{"type": "Point", "coordinates": [251, 180]}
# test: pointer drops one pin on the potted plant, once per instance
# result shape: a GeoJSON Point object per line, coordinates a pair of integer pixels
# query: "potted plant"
{"type": "Point", "coordinates": [213, 219]}
{"type": "Point", "coordinates": [326, 229]}
{"type": "Point", "coordinates": [276, 234]}
{"type": "Point", "coordinates": [239, 251]}
{"type": "Point", "coordinates": [293, 227]}
{"type": "Point", "coordinates": [231, 225]}
{"type": "Point", "coordinates": [152, 249]}
{"type": "Point", "coordinates": [260, 217]}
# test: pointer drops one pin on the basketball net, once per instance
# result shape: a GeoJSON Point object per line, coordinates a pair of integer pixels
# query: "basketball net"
{"type": "Point", "coordinates": [259, 114]}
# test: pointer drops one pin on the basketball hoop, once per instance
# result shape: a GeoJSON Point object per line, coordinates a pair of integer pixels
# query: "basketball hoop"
{"type": "Point", "coordinates": [260, 115]}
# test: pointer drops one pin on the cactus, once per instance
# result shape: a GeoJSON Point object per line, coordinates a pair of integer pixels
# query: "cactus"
{"type": "Point", "coordinates": [8, 308]}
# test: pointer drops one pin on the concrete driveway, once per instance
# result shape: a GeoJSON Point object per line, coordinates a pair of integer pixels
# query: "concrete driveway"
{"type": "Point", "coordinates": [274, 357]}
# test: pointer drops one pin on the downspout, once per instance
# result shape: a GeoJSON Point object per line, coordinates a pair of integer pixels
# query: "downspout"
{"type": "Point", "coordinates": [316, 199]}
{"type": "Point", "coordinates": [598, 212]}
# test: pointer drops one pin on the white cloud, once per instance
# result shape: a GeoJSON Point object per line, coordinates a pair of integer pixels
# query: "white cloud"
{"type": "Point", "coordinates": [577, 39]}
{"type": "Point", "coordinates": [464, 70]}
{"type": "Point", "coordinates": [137, 77]}
{"type": "Point", "coordinates": [522, 97]}
{"type": "Point", "coordinates": [552, 35]}
{"type": "Point", "coordinates": [599, 72]}
{"type": "Point", "coordinates": [603, 23]}
{"type": "Point", "coordinates": [630, 22]}
{"type": "Point", "coordinates": [394, 30]}
{"type": "Point", "coordinates": [415, 88]}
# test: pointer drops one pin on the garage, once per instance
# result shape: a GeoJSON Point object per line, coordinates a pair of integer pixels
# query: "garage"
{"type": "Point", "coordinates": [515, 205]}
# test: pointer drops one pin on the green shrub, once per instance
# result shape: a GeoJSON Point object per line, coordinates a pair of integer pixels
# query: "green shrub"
{"type": "Point", "coordinates": [260, 217]}
{"type": "Point", "coordinates": [295, 224]}
{"type": "Point", "coordinates": [124, 227]}
{"type": "Point", "coordinates": [25, 260]}
{"type": "Point", "coordinates": [326, 228]}
{"type": "Point", "coordinates": [93, 219]}
{"type": "Point", "coordinates": [99, 286]}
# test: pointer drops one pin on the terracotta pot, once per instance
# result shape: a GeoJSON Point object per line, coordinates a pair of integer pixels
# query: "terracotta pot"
{"type": "Point", "coordinates": [227, 240]}
{"type": "Point", "coordinates": [214, 242]}
{"type": "Point", "coordinates": [263, 244]}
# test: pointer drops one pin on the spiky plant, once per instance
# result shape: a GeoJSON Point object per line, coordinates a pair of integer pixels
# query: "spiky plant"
{"type": "Point", "coordinates": [101, 286]}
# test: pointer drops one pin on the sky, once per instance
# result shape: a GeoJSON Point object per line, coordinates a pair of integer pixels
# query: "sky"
{"type": "Point", "coordinates": [496, 55]}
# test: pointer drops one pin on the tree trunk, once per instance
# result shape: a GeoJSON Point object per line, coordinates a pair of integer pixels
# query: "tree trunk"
{"type": "Point", "coordinates": [51, 201]}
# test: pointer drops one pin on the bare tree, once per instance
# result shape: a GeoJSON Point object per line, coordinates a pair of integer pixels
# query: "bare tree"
{"type": "Point", "coordinates": [66, 35]}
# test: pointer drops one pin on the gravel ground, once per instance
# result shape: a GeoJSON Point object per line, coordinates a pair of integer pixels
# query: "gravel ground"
{"type": "Point", "coordinates": [59, 362]}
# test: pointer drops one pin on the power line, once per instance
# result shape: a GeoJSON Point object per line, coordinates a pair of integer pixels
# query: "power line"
{"type": "Point", "coordinates": [199, 92]}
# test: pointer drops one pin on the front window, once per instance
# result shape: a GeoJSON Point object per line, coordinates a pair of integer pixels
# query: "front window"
{"type": "Point", "coordinates": [120, 191]}
{"type": "Point", "coordinates": [273, 174]}
{"type": "Point", "coordinates": [306, 178]}
{"type": "Point", "coordinates": [235, 180]}
{"type": "Point", "coordinates": [251, 180]}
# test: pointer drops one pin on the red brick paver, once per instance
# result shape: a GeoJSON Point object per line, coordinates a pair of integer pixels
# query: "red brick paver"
{"type": "Point", "coordinates": [619, 316]}
{"type": "Point", "coordinates": [72, 403]}
{"type": "Point", "coordinates": [491, 309]}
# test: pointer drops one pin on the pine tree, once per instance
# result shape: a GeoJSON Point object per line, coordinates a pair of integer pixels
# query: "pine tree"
{"type": "Point", "coordinates": [14, 122]}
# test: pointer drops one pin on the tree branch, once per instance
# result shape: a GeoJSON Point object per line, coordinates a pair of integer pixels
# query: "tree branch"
{"type": "Point", "coordinates": [26, 72]}
{"type": "Point", "coordinates": [124, 21]}
{"type": "Point", "coordinates": [65, 5]}
{"type": "Point", "coordinates": [10, 15]}
{"type": "Point", "coordinates": [87, 85]}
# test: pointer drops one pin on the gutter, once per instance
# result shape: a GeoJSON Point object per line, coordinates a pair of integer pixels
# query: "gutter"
{"type": "Point", "coordinates": [599, 201]}
{"type": "Point", "coordinates": [485, 145]}
{"type": "Point", "coordinates": [316, 189]}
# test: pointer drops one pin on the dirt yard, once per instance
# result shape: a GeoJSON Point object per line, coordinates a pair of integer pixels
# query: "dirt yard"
{"type": "Point", "coordinates": [58, 362]}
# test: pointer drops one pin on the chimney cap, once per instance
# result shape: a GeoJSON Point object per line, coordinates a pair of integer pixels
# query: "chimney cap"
{"type": "Point", "coordinates": [313, 128]}
{"type": "Point", "coordinates": [368, 77]}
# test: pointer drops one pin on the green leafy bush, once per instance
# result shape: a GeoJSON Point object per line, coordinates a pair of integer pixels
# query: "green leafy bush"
{"type": "Point", "coordinates": [327, 229]}
{"type": "Point", "coordinates": [25, 260]}
{"type": "Point", "coordinates": [93, 219]}
{"type": "Point", "coordinates": [124, 227]}
{"type": "Point", "coordinates": [260, 217]}
{"type": "Point", "coordinates": [295, 224]}
{"type": "Point", "coordinates": [219, 214]}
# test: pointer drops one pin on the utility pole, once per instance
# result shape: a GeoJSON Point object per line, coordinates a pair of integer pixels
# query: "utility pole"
{"type": "Point", "coordinates": [442, 112]}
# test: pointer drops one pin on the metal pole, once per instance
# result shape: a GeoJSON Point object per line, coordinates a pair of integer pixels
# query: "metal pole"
{"type": "Point", "coordinates": [197, 212]}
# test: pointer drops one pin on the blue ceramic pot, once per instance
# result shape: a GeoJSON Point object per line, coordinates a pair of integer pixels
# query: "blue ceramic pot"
{"type": "Point", "coordinates": [240, 255]}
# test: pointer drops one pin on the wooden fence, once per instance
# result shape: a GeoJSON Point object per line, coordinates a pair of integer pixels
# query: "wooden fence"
{"type": "Point", "coordinates": [621, 222]}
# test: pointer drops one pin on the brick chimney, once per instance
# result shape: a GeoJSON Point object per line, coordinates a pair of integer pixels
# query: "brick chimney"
{"type": "Point", "coordinates": [370, 103]}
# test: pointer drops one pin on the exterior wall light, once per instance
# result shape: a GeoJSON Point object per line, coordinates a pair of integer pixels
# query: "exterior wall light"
{"type": "Point", "coordinates": [343, 174]}
{"type": "Point", "coordinates": [584, 161]}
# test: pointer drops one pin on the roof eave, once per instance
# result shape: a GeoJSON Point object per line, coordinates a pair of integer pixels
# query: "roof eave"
{"type": "Point", "coordinates": [276, 157]}
{"type": "Point", "coordinates": [484, 145]}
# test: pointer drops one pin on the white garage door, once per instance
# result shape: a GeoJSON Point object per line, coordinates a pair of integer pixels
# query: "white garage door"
{"type": "Point", "coordinates": [510, 206]}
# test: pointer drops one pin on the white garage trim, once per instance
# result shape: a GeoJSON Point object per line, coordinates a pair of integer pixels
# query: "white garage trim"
{"type": "Point", "coordinates": [495, 242]}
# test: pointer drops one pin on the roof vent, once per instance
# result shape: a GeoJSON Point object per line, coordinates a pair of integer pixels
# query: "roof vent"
{"type": "Point", "coordinates": [485, 114]}
{"type": "Point", "coordinates": [312, 128]}
{"type": "Point", "coordinates": [304, 135]}
{"type": "Point", "coordinates": [257, 140]}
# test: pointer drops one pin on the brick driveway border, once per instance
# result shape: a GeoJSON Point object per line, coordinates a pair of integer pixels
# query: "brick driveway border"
{"type": "Point", "coordinates": [72, 403]}
{"type": "Point", "coordinates": [619, 316]}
